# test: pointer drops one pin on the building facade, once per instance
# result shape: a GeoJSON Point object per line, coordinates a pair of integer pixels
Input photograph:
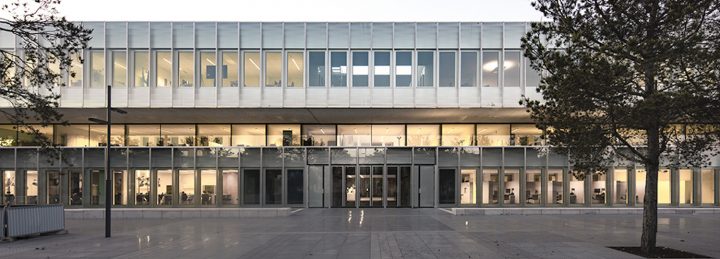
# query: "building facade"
{"type": "Point", "coordinates": [225, 114]}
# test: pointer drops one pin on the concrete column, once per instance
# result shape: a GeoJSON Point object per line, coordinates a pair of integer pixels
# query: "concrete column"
{"type": "Point", "coordinates": [609, 191]}
{"type": "Point", "coordinates": [632, 191]}
{"type": "Point", "coordinates": [674, 186]}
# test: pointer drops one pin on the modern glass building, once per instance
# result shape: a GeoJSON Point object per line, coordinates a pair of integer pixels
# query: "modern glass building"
{"type": "Point", "coordinates": [225, 114]}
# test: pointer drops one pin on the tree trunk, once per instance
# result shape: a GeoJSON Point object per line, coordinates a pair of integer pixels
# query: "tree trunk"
{"type": "Point", "coordinates": [649, 231]}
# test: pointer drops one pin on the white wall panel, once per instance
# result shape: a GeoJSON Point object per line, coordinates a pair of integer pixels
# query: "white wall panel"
{"type": "Point", "coordinates": [94, 97]}
{"type": "Point", "coordinates": [139, 97]}
{"type": "Point", "coordinates": [161, 97]}
{"type": "Point", "coordinates": [338, 97]}
{"type": "Point", "coordinates": [469, 97]}
{"type": "Point", "coordinates": [228, 97]}
{"type": "Point", "coordinates": [360, 97]}
{"type": "Point", "coordinates": [250, 97]}
{"type": "Point", "coordinates": [272, 97]}
{"type": "Point", "coordinates": [294, 97]}
{"type": "Point", "coordinates": [490, 97]}
{"type": "Point", "coordinates": [184, 97]}
{"type": "Point", "coordinates": [403, 97]}
{"type": "Point", "coordinates": [511, 96]}
{"type": "Point", "coordinates": [382, 97]}
{"type": "Point", "coordinates": [425, 97]}
{"type": "Point", "coordinates": [119, 97]}
{"type": "Point", "coordinates": [206, 97]}
{"type": "Point", "coordinates": [447, 97]}
{"type": "Point", "coordinates": [316, 97]}
{"type": "Point", "coordinates": [71, 97]}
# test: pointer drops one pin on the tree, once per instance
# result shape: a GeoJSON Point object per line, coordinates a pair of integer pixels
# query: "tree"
{"type": "Point", "coordinates": [46, 45]}
{"type": "Point", "coordinates": [628, 80]}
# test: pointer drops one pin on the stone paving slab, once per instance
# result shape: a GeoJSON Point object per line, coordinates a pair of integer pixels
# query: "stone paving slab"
{"type": "Point", "coordinates": [176, 213]}
{"type": "Point", "coordinates": [370, 233]}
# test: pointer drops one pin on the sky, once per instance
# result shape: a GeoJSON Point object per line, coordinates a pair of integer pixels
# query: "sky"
{"type": "Point", "coordinates": [299, 10]}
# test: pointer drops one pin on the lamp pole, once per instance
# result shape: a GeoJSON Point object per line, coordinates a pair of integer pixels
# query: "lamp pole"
{"type": "Point", "coordinates": [108, 174]}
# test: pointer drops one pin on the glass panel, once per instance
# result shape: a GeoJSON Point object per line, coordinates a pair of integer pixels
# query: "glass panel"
{"type": "Point", "coordinates": [319, 135]}
{"type": "Point", "coordinates": [354, 135]}
{"type": "Point", "coordinates": [663, 186]}
{"type": "Point", "coordinates": [187, 186]}
{"type": "Point", "coordinates": [120, 187]}
{"type": "Point", "coordinates": [248, 135]}
{"type": "Point", "coordinates": [97, 68]}
{"type": "Point", "coordinates": [213, 135]}
{"type": "Point", "coordinates": [360, 62]}
{"type": "Point", "coordinates": [468, 186]}
{"type": "Point", "coordinates": [53, 187]}
{"type": "Point", "coordinates": [532, 76]}
{"type": "Point", "coordinates": [230, 187]}
{"type": "Point", "coordinates": [525, 135]}
{"type": "Point", "coordinates": [119, 76]}
{"type": "Point", "coordinates": [186, 68]}
{"type": "Point", "coordinates": [533, 186]}
{"type": "Point", "coordinates": [27, 139]}
{"type": "Point", "coordinates": [208, 69]}
{"type": "Point", "coordinates": [273, 69]}
{"type": "Point", "coordinates": [295, 69]}
{"type": "Point", "coordinates": [447, 69]}
{"type": "Point", "coordinates": [163, 68]}
{"type": "Point", "coordinates": [8, 135]}
{"type": "Point", "coordinates": [165, 187]}
{"type": "Point", "coordinates": [229, 69]}
{"type": "Point", "coordinates": [178, 135]}
{"type": "Point", "coordinates": [144, 135]}
{"type": "Point", "coordinates": [283, 135]}
{"type": "Point", "coordinates": [295, 186]}
{"type": "Point", "coordinates": [555, 187]}
{"type": "Point", "coordinates": [76, 71]}
{"type": "Point", "coordinates": [98, 135]}
{"type": "Point", "coordinates": [388, 135]}
{"type": "Point", "coordinates": [403, 68]}
{"type": "Point", "coordinates": [493, 134]}
{"type": "Point", "coordinates": [8, 185]}
{"type": "Point", "coordinates": [381, 70]}
{"type": "Point", "coordinates": [31, 187]}
{"type": "Point", "coordinates": [273, 186]}
{"type": "Point", "coordinates": [446, 193]}
{"type": "Point", "coordinates": [350, 187]}
{"type": "Point", "coordinates": [577, 189]}
{"type": "Point", "coordinates": [251, 69]}
{"type": "Point", "coordinates": [392, 191]}
{"type": "Point", "coordinates": [511, 68]}
{"type": "Point", "coordinates": [76, 187]}
{"type": "Point", "coordinates": [458, 134]}
{"type": "Point", "coordinates": [72, 135]}
{"type": "Point", "coordinates": [512, 187]}
{"type": "Point", "coordinates": [141, 68]}
{"type": "Point", "coordinates": [316, 71]}
{"type": "Point", "coordinates": [97, 186]}
{"type": "Point", "coordinates": [251, 186]}
{"type": "Point", "coordinates": [208, 180]}
{"type": "Point", "coordinates": [425, 69]}
{"type": "Point", "coordinates": [490, 73]}
{"type": "Point", "coordinates": [142, 187]}
{"type": "Point", "coordinates": [686, 187]}
{"type": "Point", "coordinates": [598, 195]}
{"type": "Point", "coordinates": [621, 186]}
{"type": "Point", "coordinates": [490, 186]}
{"type": "Point", "coordinates": [468, 68]}
{"type": "Point", "coordinates": [707, 186]}
{"type": "Point", "coordinates": [423, 135]}
{"type": "Point", "coordinates": [338, 68]}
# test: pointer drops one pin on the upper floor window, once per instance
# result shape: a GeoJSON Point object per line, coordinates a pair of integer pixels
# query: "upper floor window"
{"type": "Point", "coordinates": [447, 69]}
{"type": "Point", "coordinates": [316, 68]}
{"type": "Point", "coordinates": [273, 69]}
{"type": "Point", "coordinates": [119, 68]}
{"type": "Point", "coordinates": [141, 64]}
{"type": "Point", "coordinates": [425, 68]}
{"type": "Point", "coordinates": [360, 61]}
{"type": "Point", "coordinates": [97, 68]}
{"type": "Point", "coordinates": [338, 69]}
{"type": "Point", "coordinates": [163, 68]}
{"type": "Point", "coordinates": [251, 69]}
{"type": "Point", "coordinates": [490, 63]}
{"type": "Point", "coordinates": [511, 68]}
{"type": "Point", "coordinates": [186, 68]}
{"type": "Point", "coordinates": [76, 70]}
{"type": "Point", "coordinates": [295, 69]}
{"type": "Point", "coordinates": [229, 69]}
{"type": "Point", "coordinates": [403, 68]}
{"type": "Point", "coordinates": [532, 76]}
{"type": "Point", "coordinates": [468, 68]}
{"type": "Point", "coordinates": [381, 70]}
{"type": "Point", "coordinates": [208, 69]}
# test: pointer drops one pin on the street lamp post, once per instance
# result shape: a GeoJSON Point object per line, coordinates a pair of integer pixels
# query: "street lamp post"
{"type": "Point", "coordinates": [108, 175]}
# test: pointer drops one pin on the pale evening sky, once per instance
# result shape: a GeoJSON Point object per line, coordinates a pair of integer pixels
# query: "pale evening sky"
{"type": "Point", "coordinates": [299, 10]}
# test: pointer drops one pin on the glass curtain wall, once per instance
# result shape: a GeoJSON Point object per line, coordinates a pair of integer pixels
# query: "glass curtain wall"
{"type": "Point", "coordinates": [229, 69]}
{"type": "Point", "coordinates": [163, 68]}
{"type": "Point", "coordinates": [295, 69]}
{"type": "Point", "coordinates": [141, 68]}
{"type": "Point", "coordinates": [251, 69]}
{"type": "Point", "coordinates": [533, 187]}
{"type": "Point", "coordinates": [360, 64]}
{"type": "Point", "coordinates": [707, 186]}
{"type": "Point", "coordinates": [620, 177]}
{"type": "Point", "coordinates": [381, 69]}
{"type": "Point", "coordinates": [491, 186]}
{"type": "Point", "coordinates": [119, 68]}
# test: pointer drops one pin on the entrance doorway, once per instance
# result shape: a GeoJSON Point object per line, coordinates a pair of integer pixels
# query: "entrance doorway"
{"type": "Point", "coordinates": [361, 186]}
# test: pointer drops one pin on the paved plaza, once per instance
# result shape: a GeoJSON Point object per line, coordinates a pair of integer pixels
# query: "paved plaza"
{"type": "Point", "coordinates": [370, 233]}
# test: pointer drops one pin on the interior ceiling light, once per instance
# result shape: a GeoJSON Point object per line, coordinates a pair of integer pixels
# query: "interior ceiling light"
{"type": "Point", "coordinates": [493, 65]}
{"type": "Point", "coordinates": [210, 61]}
{"type": "Point", "coordinates": [254, 64]}
{"type": "Point", "coordinates": [296, 64]}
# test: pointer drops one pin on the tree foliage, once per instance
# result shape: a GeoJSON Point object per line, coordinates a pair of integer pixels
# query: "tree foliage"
{"type": "Point", "coordinates": [629, 80]}
{"type": "Point", "coordinates": [30, 75]}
